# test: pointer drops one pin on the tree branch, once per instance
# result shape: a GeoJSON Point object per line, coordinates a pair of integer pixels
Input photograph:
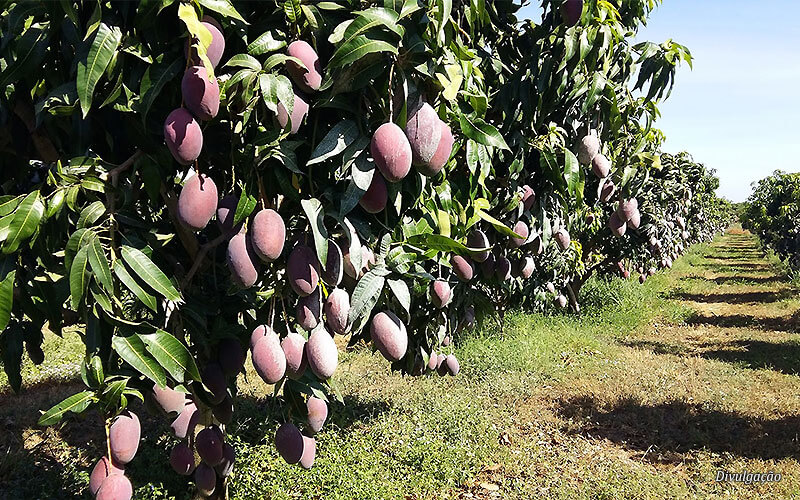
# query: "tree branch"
{"type": "Point", "coordinates": [114, 173]}
{"type": "Point", "coordinates": [201, 255]}
{"type": "Point", "coordinates": [47, 151]}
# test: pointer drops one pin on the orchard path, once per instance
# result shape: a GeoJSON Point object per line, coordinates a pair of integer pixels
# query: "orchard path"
{"type": "Point", "coordinates": [713, 384]}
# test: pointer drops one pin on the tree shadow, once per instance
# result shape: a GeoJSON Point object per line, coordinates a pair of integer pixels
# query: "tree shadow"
{"type": "Point", "coordinates": [733, 298]}
{"type": "Point", "coordinates": [733, 267]}
{"type": "Point", "coordinates": [781, 324]}
{"type": "Point", "coordinates": [783, 357]}
{"type": "Point", "coordinates": [740, 256]}
{"type": "Point", "coordinates": [664, 432]}
{"type": "Point", "coordinates": [256, 418]}
{"type": "Point", "coordinates": [748, 279]}
{"type": "Point", "coordinates": [757, 354]}
{"type": "Point", "coordinates": [657, 347]}
{"type": "Point", "coordinates": [48, 463]}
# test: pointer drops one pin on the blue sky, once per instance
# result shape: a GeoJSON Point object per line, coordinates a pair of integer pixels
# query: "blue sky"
{"type": "Point", "coordinates": [738, 111]}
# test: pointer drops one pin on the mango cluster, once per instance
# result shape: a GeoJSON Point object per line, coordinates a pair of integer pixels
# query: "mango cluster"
{"type": "Point", "coordinates": [107, 480]}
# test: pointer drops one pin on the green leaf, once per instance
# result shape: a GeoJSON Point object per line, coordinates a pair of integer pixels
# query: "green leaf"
{"type": "Point", "coordinates": [77, 241]}
{"type": "Point", "coordinates": [244, 61]}
{"type": "Point", "coordinates": [76, 403]}
{"type": "Point", "coordinates": [105, 43]}
{"type": "Point", "coordinates": [30, 50]}
{"type": "Point", "coordinates": [223, 7]}
{"type": "Point", "coordinates": [25, 222]}
{"type": "Point", "coordinates": [172, 355]}
{"type": "Point", "coordinates": [357, 48]}
{"type": "Point", "coordinates": [112, 396]}
{"type": "Point", "coordinates": [354, 248]}
{"type": "Point", "coordinates": [79, 276]}
{"type": "Point", "coordinates": [443, 16]}
{"type": "Point", "coordinates": [330, 6]}
{"type": "Point", "coordinates": [99, 263]}
{"type": "Point", "coordinates": [276, 59]}
{"type": "Point", "coordinates": [368, 19]}
{"type": "Point", "coordinates": [8, 204]}
{"type": "Point", "coordinates": [316, 218]}
{"type": "Point", "coordinates": [400, 290]}
{"type": "Point", "coordinates": [244, 207]}
{"type": "Point", "coordinates": [201, 36]}
{"type": "Point", "coordinates": [145, 269]}
{"type": "Point", "coordinates": [265, 43]}
{"type": "Point", "coordinates": [366, 294]}
{"type": "Point", "coordinates": [55, 203]}
{"type": "Point", "coordinates": [100, 297]}
{"type": "Point", "coordinates": [498, 226]}
{"type": "Point", "coordinates": [443, 222]}
{"type": "Point", "coordinates": [91, 213]}
{"type": "Point", "coordinates": [154, 79]}
{"type": "Point", "coordinates": [8, 272]}
{"type": "Point", "coordinates": [438, 242]}
{"type": "Point", "coordinates": [129, 281]}
{"type": "Point", "coordinates": [482, 132]}
{"type": "Point", "coordinates": [573, 177]}
{"type": "Point", "coordinates": [133, 350]}
{"type": "Point", "coordinates": [285, 94]}
{"type": "Point", "coordinates": [335, 141]}
{"type": "Point", "coordinates": [292, 10]}
{"type": "Point", "coordinates": [409, 7]}
{"type": "Point", "coordinates": [595, 91]}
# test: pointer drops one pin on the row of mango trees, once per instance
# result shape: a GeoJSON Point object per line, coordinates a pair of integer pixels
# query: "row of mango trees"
{"type": "Point", "coordinates": [191, 180]}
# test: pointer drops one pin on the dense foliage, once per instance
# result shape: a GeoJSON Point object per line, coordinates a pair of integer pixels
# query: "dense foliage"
{"type": "Point", "coordinates": [127, 126]}
{"type": "Point", "coordinates": [773, 213]}
{"type": "Point", "coordinates": [678, 208]}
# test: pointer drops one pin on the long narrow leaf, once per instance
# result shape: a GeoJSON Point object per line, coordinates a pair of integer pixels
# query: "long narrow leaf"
{"type": "Point", "coordinates": [143, 267]}
{"type": "Point", "coordinates": [26, 219]}
{"type": "Point", "coordinates": [133, 350]}
{"type": "Point", "coordinates": [75, 404]}
{"type": "Point", "coordinates": [105, 43]}
{"type": "Point", "coordinates": [99, 263]}
{"type": "Point", "coordinates": [79, 276]}
{"type": "Point", "coordinates": [172, 355]}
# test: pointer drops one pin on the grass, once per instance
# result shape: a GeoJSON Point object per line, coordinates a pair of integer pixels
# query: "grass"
{"type": "Point", "coordinates": [645, 395]}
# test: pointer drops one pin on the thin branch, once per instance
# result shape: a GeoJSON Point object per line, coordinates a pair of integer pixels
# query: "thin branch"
{"type": "Point", "coordinates": [114, 173]}
{"type": "Point", "coordinates": [44, 146]}
{"type": "Point", "coordinates": [201, 255]}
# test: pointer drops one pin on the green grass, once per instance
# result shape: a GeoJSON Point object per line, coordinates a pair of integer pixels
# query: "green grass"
{"type": "Point", "coordinates": [549, 405]}
{"type": "Point", "coordinates": [63, 356]}
{"type": "Point", "coordinates": [397, 435]}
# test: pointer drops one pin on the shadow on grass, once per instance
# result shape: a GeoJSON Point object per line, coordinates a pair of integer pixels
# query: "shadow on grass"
{"type": "Point", "coordinates": [48, 463]}
{"type": "Point", "coordinates": [733, 298]}
{"type": "Point", "coordinates": [743, 280]}
{"type": "Point", "coordinates": [781, 324]}
{"type": "Point", "coordinates": [664, 432]}
{"type": "Point", "coordinates": [736, 256]}
{"type": "Point", "coordinates": [782, 357]}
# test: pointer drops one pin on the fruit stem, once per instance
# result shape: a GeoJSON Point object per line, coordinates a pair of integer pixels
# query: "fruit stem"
{"type": "Point", "coordinates": [314, 144]}
{"type": "Point", "coordinates": [108, 442]}
{"type": "Point", "coordinates": [261, 192]}
{"type": "Point", "coordinates": [272, 312]}
{"type": "Point", "coordinates": [285, 316]}
{"type": "Point", "coordinates": [391, 96]}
